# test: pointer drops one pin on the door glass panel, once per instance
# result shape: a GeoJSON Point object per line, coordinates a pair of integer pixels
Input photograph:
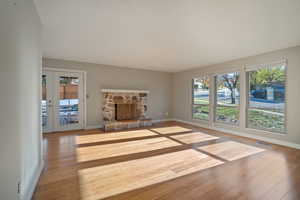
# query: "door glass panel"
{"type": "Point", "coordinates": [68, 101]}
{"type": "Point", "coordinates": [44, 103]}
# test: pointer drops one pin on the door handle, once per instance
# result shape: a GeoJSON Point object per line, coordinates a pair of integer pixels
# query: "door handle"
{"type": "Point", "coordinates": [50, 103]}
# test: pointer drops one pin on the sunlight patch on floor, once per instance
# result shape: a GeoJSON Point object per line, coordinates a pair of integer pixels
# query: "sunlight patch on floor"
{"type": "Point", "coordinates": [104, 181]}
{"type": "Point", "coordinates": [231, 150]}
{"type": "Point", "coordinates": [189, 138]}
{"type": "Point", "coordinates": [103, 137]}
{"type": "Point", "coordinates": [123, 148]}
{"type": "Point", "coordinates": [171, 129]}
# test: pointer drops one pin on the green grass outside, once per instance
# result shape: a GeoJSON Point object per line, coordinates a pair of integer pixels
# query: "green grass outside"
{"type": "Point", "coordinates": [227, 114]}
{"type": "Point", "coordinates": [256, 118]}
{"type": "Point", "coordinates": [266, 121]}
{"type": "Point", "coordinates": [201, 112]}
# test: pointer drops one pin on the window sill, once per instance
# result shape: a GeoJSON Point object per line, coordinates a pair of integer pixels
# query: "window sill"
{"type": "Point", "coordinates": [202, 121]}
{"type": "Point", "coordinates": [264, 132]}
{"type": "Point", "coordinates": [217, 123]}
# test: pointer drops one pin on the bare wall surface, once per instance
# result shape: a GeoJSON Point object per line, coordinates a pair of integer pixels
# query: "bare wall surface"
{"type": "Point", "coordinates": [20, 66]}
{"type": "Point", "coordinates": [182, 90]}
{"type": "Point", "coordinates": [111, 77]}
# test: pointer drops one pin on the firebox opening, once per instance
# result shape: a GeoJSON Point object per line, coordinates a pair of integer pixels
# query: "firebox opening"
{"type": "Point", "coordinates": [126, 112]}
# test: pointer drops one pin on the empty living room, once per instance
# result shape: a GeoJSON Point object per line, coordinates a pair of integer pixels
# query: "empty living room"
{"type": "Point", "coordinates": [150, 100]}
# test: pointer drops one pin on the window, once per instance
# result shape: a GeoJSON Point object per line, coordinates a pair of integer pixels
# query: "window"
{"type": "Point", "coordinates": [266, 98]}
{"type": "Point", "coordinates": [227, 98]}
{"type": "Point", "coordinates": [201, 98]}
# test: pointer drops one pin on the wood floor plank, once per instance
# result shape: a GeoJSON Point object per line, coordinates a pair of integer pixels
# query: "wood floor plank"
{"type": "Point", "coordinates": [104, 181]}
{"type": "Point", "coordinates": [123, 148]}
{"type": "Point", "coordinates": [171, 129]}
{"type": "Point", "coordinates": [102, 137]}
{"type": "Point", "coordinates": [231, 150]}
{"type": "Point", "coordinates": [194, 137]}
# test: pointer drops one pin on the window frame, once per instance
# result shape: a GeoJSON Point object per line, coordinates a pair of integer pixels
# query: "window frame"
{"type": "Point", "coordinates": [209, 99]}
{"type": "Point", "coordinates": [247, 90]}
{"type": "Point", "coordinates": [243, 124]}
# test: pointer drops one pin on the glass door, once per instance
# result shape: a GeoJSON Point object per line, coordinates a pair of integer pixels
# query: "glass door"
{"type": "Point", "coordinates": [62, 101]}
{"type": "Point", "coordinates": [69, 99]}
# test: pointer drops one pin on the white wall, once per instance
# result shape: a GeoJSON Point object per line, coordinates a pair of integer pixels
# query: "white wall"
{"type": "Point", "coordinates": [182, 93]}
{"type": "Point", "coordinates": [20, 64]}
{"type": "Point", "coordinates": [112, 77]}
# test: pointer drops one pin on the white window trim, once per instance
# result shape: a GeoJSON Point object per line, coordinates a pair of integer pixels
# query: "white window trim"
{"type": "Point", "coordinates": [261, 66]}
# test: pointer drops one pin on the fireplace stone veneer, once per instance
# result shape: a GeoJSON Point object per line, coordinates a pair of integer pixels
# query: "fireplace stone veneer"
{"type": "Point", "coordinates": [112, 97]}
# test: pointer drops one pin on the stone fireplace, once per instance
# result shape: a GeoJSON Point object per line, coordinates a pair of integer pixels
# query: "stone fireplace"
{"type": "Point", "coordinates": [125, 109]}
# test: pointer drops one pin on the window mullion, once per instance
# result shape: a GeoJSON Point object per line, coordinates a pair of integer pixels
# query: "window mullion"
{"type": "Point", "coordinates": [212, 100]}
{"type": "Point", "coordinates": [243, 99]}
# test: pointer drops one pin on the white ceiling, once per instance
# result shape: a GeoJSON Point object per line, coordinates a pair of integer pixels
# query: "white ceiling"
{"type": "Point", "coordinates": [166, 35]}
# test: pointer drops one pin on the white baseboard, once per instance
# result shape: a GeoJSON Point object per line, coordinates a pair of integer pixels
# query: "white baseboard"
{"type": "Point", "coordinates": [192, 123]}
{"type": "Point", "coordinates": [161, 120]}
{"type": "Point", "coordinates": [28, 192]}
{"type": "Point", "coordinates": [238, 133]}
{"type": "Point", "coordinates": [93, 127]}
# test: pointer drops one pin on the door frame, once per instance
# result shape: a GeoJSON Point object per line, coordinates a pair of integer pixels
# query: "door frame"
{"type": "Point", "coordinates": [49, 90]}
{"type": "Point", "coordinates": [84, 75]}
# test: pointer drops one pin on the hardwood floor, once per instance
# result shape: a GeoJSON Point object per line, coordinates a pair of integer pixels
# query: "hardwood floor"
{"type": "Point", "coordinates": [123, 148]}
{"type": "Point", "coordinates": [193, 137]}
{"type": "Point", "coordinates": [87, 139]}
{"type": "Point", "coordinates": [104, 181]}
{"type": "Point", "coordinates": [230, 150]}
{"type": "Point", "coordinates": [167, 161]}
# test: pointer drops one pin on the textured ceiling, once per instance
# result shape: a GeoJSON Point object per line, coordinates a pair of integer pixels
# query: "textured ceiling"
{"type": "Point", "coordinates": [166, 35]}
